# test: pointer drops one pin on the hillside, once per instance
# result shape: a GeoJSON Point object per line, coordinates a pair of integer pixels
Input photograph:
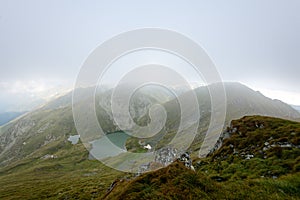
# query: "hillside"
{"type": "Point", "coordinates": [240, 101]}
{"type": "Point", "coordinates": [271, 172]}
{"type": "Point", "coordinates": [60, 170]}
{"type": "Point", "coordinates": [246, 100]}
{"type": "Point", "coordinates": [54, 121]}
{"type": "Point", "coordinates": [263, 146]}
{"type": "Point", "coordinates": [33, 131]}
{"type": "Point", "coordinates": [43, 133]}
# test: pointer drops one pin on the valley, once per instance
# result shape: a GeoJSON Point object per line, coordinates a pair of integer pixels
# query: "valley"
{"type": "Point", "coordinates": [39, 160]}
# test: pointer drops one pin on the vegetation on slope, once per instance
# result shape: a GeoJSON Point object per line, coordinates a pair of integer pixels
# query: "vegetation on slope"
{"type": "Point", "coordinates": [69, 174]}
{"type": "Point", "coordinates": [177, 182]}
{"type": "Point", "coordinates": [230, 172]}
{"type": "Point", "coordinates": [257, 147]}
{"type": "Point", "coordinates": [272, 172]}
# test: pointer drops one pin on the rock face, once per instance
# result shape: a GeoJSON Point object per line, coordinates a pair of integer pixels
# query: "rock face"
{"type": "Point", "coordinates": [186, 159]}
{"type": "Point", "coordinates": [222, 137]}
{"type": "Point", "coordinates": [166, 155]}
{"type": "Point", "coordinates": [163, 157]}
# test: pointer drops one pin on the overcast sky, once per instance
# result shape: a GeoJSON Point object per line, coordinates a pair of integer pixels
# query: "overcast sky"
{"type": "Point", "coordinates": [256, 42]}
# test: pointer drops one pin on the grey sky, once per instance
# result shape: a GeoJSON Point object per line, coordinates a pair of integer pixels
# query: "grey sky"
{"type": "Point", "coordinates": [256, 42]}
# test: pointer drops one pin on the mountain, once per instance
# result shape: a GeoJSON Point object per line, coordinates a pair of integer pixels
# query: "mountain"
{"type": "Point", "coordinates": [60, 170]}
{"type": "Point", "coordinates": [258, 159]}
{"type": "Point", "coordinates": [251, 102]}
{"type": "Point", "coordinates": [240, 101]}
{"type": "Point", "coordinates": [140, 103]}
{"type": "Point", "coordinates": [54, 121]}
{"type": "Point", "coordinates": [34, 149]}
{"type": "Point", "coordinates": [33, 131]}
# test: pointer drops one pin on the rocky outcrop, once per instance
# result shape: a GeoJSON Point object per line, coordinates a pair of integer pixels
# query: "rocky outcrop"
{"type": "Point", "coordinates": [14, 133]}
{"type": "Point", "coordinates": [255, 136]}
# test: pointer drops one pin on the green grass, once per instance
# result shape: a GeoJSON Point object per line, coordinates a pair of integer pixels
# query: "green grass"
{"type": "Point", "coordinates": [222, 175]}
{"type": "Point", "coordinates": [71, 175]}
{"type": "Point", "coordinates": [177, 182]}
{"type": "Point", "coordinates": [249, 139]}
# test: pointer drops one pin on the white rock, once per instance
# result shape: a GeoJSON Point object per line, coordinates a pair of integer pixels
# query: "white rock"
{"type": "Point", "coordinates": [192, 168]}
{"type": "Point", "coordinates": [266, 143]}
{"type": "Point", "coordinates": [286, 145]}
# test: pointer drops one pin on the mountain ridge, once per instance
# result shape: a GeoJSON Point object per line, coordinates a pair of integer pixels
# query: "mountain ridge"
{"type": "Point", "coordinates": [54, 121]}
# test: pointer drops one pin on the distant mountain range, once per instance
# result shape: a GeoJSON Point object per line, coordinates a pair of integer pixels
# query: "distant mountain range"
{"type": "Point", "coordinates": [54, 121]}
{"type": "Point", "coordinates": [34, 149]}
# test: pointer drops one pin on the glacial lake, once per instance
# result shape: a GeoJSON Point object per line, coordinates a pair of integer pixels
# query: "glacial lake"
{"type": "Point", "coordinates": [110, 145]}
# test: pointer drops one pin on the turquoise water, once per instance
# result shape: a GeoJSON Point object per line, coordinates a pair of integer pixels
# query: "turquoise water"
{"type": "Point", "coordinates": [110, 145]}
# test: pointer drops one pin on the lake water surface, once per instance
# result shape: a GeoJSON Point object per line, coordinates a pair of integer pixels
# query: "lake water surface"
{"type": "Point", "coordinates": [110, 145]}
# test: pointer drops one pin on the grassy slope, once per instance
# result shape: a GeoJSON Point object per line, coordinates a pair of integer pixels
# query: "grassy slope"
{"type": "Point", "coordinates": [177, 182]}
{"type": "Point", "coordinates": [224, 175]}
{"type": "Point", "coordinates": [248, 139]}
{"type": "Point", "coordinates": [221, 176]}
{"type": "Point", "coordinates": [70, 175]}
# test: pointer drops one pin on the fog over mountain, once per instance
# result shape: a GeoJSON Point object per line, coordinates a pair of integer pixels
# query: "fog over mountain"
{"type": "Point", "coordinates": [54, 121]}
{"type": "Point", "coordinates": [212, 94]}
{"type": "Point", "coordinates": [247, 44]}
